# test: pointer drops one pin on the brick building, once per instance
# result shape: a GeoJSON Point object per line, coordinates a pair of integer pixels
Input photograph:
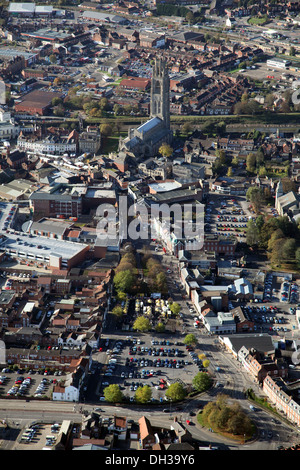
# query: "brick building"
{"type": "Point", "coordinates": [37, 102]}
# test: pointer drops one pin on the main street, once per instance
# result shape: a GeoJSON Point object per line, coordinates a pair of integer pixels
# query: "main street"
{"type": "Point", "coordinates": [19, 415]}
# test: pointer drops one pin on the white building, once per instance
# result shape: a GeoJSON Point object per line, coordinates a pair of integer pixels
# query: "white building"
{"type": "Point", "coordinates": [48, 145]}
{"type": "Point", "coordinates": [278, 63]}
{"type": "Point", "coordinates": [222, 323]}
{"type": "Point", "coordinates": [68, 393]}
{"type": "Point", "coordinates": [8, 129]}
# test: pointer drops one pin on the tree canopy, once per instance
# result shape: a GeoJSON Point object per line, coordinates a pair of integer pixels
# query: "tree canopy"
{"type": "Point", "coordinates": [124, 281]}
{"type": "Point", "coordinates": [166, 150]}
{"type": "Point", "coordinates": [201, 382]}
{"type": "Point", "coordinates": [176, 392]}
{"type": "Point", "coordinates": [190, 339]}
{"type": "Point", "coordinates": [143, 394]}
{"type": "Point", "coordinates": [142, 324]}
{"type": "Point", "coordinates": [113, 394]}
{"type": "Point", "coordinates": [221, 416]}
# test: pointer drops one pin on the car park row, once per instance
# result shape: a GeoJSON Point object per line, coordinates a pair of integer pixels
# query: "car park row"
{"type": "Point", "coordinates": [132, 364]}
{"type": "Point", "coordinates": [17, 385]}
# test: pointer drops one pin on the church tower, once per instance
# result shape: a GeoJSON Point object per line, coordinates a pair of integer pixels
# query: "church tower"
{"type": "Point", "coordinates": [160, 92]}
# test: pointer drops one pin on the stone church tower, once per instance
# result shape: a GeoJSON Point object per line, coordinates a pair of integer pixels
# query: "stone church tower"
{"type": "Point", "coordinates": [145, 140]}
{"type": "Point", "coordinates": [160, 92]}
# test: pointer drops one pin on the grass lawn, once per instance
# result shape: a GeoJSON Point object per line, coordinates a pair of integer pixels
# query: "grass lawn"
{"type": "Point", "coordinates": [256, 20]}
{"type": "Point", "coordinates": [111, 143]}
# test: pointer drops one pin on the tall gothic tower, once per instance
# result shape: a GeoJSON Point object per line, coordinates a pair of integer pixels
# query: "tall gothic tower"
{"type": "Point", "coordinates": [160, 92]}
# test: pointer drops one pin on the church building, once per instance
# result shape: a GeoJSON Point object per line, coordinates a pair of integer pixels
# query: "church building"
{"type": "Point", "coordinates": [145, 140]}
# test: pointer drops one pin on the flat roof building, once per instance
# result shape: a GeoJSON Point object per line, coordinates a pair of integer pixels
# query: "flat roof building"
{"type": "Point", "coordinates": [37, 102]}
{"type": "Point", "coordinates": [104, 17]}
{"type": "Point", "coordinates": [21, 9]}
{"type": "Point", "coordinates": [57, 254]}
{"type": "Point", "coordinates": [29, 9]}
{"type": "Point", "coordinates": [52, 228]}
{"type": "Point", "coordinates": [47, 34]}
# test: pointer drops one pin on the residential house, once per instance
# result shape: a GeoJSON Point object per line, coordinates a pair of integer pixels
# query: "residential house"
{"type": "Point", "coordinates": [243, 325]}
{"type": "Point", "coordinates": [120, 427]}
{"type": "Point", "coordinates": [147, 435]}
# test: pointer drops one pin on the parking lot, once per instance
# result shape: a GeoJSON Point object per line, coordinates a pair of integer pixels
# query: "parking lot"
{"type": "Point", "coordinates": [38, 436]}
{"type": "Point", "coordinates": [226, 218]}
{"type": "Point", "coordinates": [134, 362]}
{"type": "Point", "coordinates": [22, 384]}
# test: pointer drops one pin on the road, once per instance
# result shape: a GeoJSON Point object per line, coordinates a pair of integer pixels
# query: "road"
{"type": "Point", "coordinates": [19, 415]}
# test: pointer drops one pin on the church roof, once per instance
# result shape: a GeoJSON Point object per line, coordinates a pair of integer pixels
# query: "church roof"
{"type": "Point", "coordinates": [149, 125]}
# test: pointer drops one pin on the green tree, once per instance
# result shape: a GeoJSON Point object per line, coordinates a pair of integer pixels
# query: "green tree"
{"type": "Point", "coordinates": [143, 394]}
{"type": "Point", "coordinates": [252, 233]}
{"type": "Point", "coordinates": [175, 392]}
{"type": "Point", "coordinates": [186, 128]}
{"type": "Point", "coordinates": [113, 394]}
{"type": "Point", "coordinates": [239, 423]}
{"type": "Point", "coordinates": [56, 101]}
{"type": "Point", "coordinates": [262, 172]}
{"type": "Point", "coordinates": [175, 308]}
{"type": "Point", "coordinates": [229, 172]}
{"type": "Point", "coordinates": [260, 222]}
{"type": "Point", "coordinates": [117, 109]}
{"type": "Point", "coordinates": [292, 51]}
{"type": "Point", "coordinates": [105, 129]}
{"type": "Point", "coordinates": [276, 255]}
{"type": "Point", "coordinates": [142, 324]}
{"type": "Point", "coordinates": [160, 327]}
{"type": "Point", "coordinates": [297, 257]}
{"type": "Point", "coordinates": [59, 110]}
{"type": "Point", "coordinates": [117, 311]}
{"type": "Point", "coordinates": [259, 158]}
{"type": "Point", "coordinates": [124, 281]}
{"type": "Point", "coordinates": [52, 58]}
{"type": "Point", "coordinates": [165, 150]}
{"type": "Point", "coordinates": [103, 104]}
{"type": "Point", "coordinates": [251, 162]}
{"type": "Point", "coordinates": [288, 185]}
{"type": "Point", "coordinates": [221, 155]}
{"type": "Point", "coordinates": [190, 17]}
{"type": "Point", "coordinates": [256, 197]}
{"type": "Point", "coordinates": [161, 283]}
{"type": "Point", "coordinates": [190, 339]}
{"type": "Point", "coordinates": [235, 161]}
{"type": "Point", "coordinates": [122, 296]}
{"type": "Point", "coordinates": [127, 109]}
{"type": "Point", "coordinates": [201, 382]}
{"type": "Point", "coordinates": [276, 235]}
{"type": "Point", "coordinates": [288, 249]}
